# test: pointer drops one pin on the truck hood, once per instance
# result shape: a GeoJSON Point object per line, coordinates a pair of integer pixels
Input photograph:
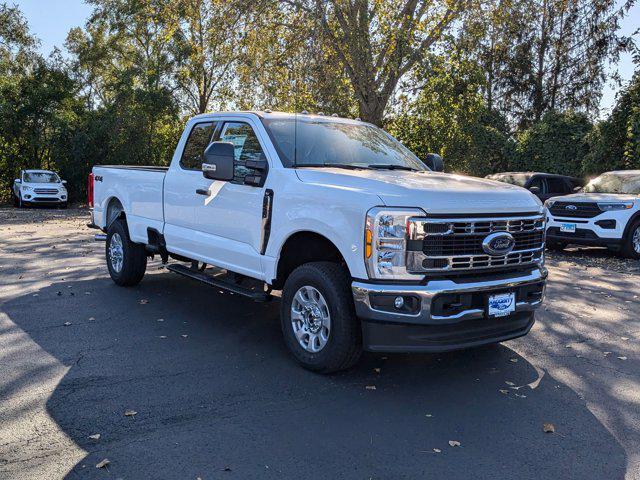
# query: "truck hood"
{"type": "Point", "coordinates": [596, 197]}
{"type": "Point", "coordinates": [434, 192]}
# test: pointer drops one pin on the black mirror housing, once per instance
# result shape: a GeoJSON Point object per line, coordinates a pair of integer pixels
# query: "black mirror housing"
{"type": "Point", "coordinates": [434, 162]}
{"type": "Point", "coordinates": [534, 190]}
{"type": "Point", "coordinates": [218, 161]}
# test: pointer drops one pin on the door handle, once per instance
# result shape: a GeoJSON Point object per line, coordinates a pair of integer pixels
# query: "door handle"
{"type": "Point", "coordinates": [203, 191]}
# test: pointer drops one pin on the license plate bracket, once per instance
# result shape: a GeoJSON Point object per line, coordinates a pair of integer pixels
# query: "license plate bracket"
{"type": "Point", "coordinates": [568, 227]}
{"type": "Point", "coordinates": [501, 304]}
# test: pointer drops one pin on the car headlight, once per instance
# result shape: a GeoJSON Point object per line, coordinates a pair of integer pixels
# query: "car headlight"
{"type": "Point", "coordinates": [26, 188]}
{"type": "Point", "coordinates": [386, 242]}
{"type": "Point", "coordinates": [549, 203]}
{"type": "Point", "coordinates": [608, 206]}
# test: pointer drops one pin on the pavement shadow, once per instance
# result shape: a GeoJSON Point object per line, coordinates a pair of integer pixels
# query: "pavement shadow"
{"type": "Point", "coordinates": [217, 396]}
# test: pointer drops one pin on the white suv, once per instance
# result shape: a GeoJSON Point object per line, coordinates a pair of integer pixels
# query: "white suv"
{"type": "Point", "coordinates": [605, 213]}
{"type": "Point", "coordinates": [39, 187]}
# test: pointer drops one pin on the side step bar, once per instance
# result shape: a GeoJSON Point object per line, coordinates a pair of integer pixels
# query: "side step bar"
{"type": "Point", "coordinates": [255, 295]}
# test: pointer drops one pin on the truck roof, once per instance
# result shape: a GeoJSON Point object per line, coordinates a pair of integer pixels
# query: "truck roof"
{"type": "Point", "coordinates": [269, 114]}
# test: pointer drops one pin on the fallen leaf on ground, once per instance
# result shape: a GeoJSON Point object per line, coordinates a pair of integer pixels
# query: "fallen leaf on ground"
{"type": "Point", "coordinates": [184, 336]}
{"type": "Point", "coordinates": [519, 395]}
{"type": "Point", "coordinates": [102, 463]}
{"type": "Point", "coordinates": [454, 443]}
{"type": "Point", "coordinates": [428, 415]}
{"type": "Point", "coordinates": [377, 370]}
{"type": "Point", "coordinates": [514, 360]}
{"type": "Point", "coordinates": [144, 301]}
{"type": "Point", "coordinates": [66, 324]}
{"type": "Point", "coordinates": [622, 358]}
{"type": "Point", "coordinates": [548, 428]}
{"type": "Point", "coordinates": [130, 413]}
{"type": "Point", "coordinates": [371, 387]}
{"type": "Point", "coordinates": [95, 436]}
{"type": "Point", "coordinates": [503, 391]}
{"type": "Point", "coordinates": [511, 384]}
{"type": "Point", "coordinates": [163, 336]}
{"type": "Point", "coordinates": [437, 450]}
{"type": "Point", "coordinates": [624, 338]}
{"type": "Point", "coordinates": [161, 319]}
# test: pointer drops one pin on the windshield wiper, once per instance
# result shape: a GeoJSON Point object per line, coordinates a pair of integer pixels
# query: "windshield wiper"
{"type": "Point", "coordinates": [392, 167]}
{"type": "Point", "coordinates": [348, 166]}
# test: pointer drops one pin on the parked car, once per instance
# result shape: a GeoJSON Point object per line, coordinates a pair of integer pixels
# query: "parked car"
{"type": "Point", "coordinates": [41, 187]}
{"type": "Point", "coordinates": [605, 213]}
{"type": "Point", "coordinates": [369, 248]}
{"type": "Point", "coordinates": [543, 185]}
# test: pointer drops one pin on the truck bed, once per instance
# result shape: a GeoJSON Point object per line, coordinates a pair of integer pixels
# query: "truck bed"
{"type": "Point", "coordinates": [138, 188]}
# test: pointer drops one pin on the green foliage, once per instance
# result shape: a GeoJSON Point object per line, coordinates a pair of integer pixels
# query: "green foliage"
{"type": "Point", "coordinates": [449, 117]}
{"type": "Point", "coordinates": [556, 144]}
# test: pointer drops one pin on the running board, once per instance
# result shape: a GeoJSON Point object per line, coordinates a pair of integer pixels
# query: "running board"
{"type": "Point", "coordinates": [255, 295]}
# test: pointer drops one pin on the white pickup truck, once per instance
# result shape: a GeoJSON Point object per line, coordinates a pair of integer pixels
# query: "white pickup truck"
{"type": "Point", "coordinates": [368, 247]}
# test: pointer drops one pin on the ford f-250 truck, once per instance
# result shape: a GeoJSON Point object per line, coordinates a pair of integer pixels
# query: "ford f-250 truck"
{"type": "Point", "coordinates": [368, 247]}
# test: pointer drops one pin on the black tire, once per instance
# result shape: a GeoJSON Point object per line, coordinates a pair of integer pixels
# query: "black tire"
{"type": "Point", "coordinates": [63, 205]}
{"type": "Point", "coordinates": [556, 246]}
{"type": "Point", "coordinates": [134, 256]}
{"type": "Point", "coordinates": [16, 200]}
{"type": "Point", "coordinates": [627, 243]}
{"type": "Point", "coordinates": [344, 344]}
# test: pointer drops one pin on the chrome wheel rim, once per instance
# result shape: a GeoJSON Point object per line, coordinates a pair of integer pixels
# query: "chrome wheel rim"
{"type": "Point", "coordinates": [116, 252]}
{"type": "Point", "coordinates": [636, 240]}
{"type": "Point", "coordinates": [310, 319]}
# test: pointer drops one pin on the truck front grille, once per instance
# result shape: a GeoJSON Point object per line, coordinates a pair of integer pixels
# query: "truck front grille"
{"type": "Point", "coordinates": [441, 245]}
{"type": "Point", "coordinates": [575, 210]}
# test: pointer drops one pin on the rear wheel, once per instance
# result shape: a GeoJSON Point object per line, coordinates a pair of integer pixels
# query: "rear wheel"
{"type": "Point", "coordinates": [556, 246]}
{"type": "Point", "coordinates": [631, 244]}
{"type": "Point", "coordinates": [318, 318]}
{"type": "Point", "coordinates": [126, 260]}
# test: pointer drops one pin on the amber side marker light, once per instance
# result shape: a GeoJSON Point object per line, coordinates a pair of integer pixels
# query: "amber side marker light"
{"type": "Point", "coordinates": [367, 243]}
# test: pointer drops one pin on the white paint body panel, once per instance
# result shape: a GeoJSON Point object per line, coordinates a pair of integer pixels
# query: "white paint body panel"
{"type": "Point", "coordinates": [224, 229]}
{"type": "Point", "coordinates": [621, 217]}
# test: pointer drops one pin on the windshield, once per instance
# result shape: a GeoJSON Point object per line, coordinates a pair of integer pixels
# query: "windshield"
{"type": "Point", "coordinates": [40, 177]}
{"type": "Point", "coordinates": [627, 182]}
{"type": "Point", "coordinates": [326, 143]}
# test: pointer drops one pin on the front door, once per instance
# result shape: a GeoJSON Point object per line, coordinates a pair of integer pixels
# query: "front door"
{"type": "Point", "coordinates": [229, 217]}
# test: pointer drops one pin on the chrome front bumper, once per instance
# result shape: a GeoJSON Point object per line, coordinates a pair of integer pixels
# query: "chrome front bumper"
{"type": "Point", "coordinates": [362, 293]}
{"type": "Point", "coordinates": [427, 329]}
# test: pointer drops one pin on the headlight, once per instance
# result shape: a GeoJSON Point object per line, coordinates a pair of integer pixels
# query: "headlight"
{"type": "Point", "coordinates": [26, 188]}
{"type": "Point", "coordinates": [549, 203]}
{"type": "Point", "coordinates": [386, 242]}
{"type": "Point", "coordinates": [608, 206]}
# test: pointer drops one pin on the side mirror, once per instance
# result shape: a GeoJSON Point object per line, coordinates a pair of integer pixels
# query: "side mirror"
{"type": "Point", "coordinates": [577, 189]}
{"type": "Point", "coordinates": [64, 182]}
{"type": "Point", "coordinates": [218, 161]}
{"type": "Point", "coordinates": [18, 180]}
{"type": "Point", "coordinates": [434, 162]}
{"type": "Point", "coordinates": [535, 190]}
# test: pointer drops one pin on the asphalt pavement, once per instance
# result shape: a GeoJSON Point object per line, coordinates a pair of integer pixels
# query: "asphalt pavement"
{"type": "Point", "coordinates": [181, 381]}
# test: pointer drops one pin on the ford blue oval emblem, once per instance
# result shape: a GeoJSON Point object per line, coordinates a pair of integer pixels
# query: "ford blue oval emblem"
{"type": "Point", "coordinates": [498, 244]}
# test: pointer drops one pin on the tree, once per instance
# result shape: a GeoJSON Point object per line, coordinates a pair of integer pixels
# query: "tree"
{"type": "Point", "coordinates": [448, 116]}
{"type": "Point", "coordinates": [545, 55]}
{"type": "Point", "coordinates": [556, 144]}
{"type": "Point", "coordinates": [379, 42]}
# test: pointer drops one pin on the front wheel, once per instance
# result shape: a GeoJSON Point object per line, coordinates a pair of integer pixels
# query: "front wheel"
{"type": "Point", "coordinates": [631, 244]}
{"type": "Point", "coordinates": [318, 318]}
{"type": "Point", "coordinates": [126, 260]}
{"type": "Point", "coordinates": [16, 200]}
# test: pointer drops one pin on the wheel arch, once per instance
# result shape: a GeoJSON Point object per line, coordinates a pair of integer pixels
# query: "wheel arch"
{"type": "Point", "coordinates": [630, 222]}
{"type": "Point", "coordinates": [302, 247]}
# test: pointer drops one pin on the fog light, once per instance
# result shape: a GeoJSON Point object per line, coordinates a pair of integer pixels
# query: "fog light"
{"type": "Point", "coordinates": [399, 302]}
{"type": "Point", "coordinates": [63, 197]}
{"type": "Point", "coordinates": [27, 196]}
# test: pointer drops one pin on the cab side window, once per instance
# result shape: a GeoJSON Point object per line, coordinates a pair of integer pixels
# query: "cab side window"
{"type": "Point", "coordinates": [246, 147]}
{"type": "Point", "coordinates": [538, 182]}
{"type": "Point", "coordinates": [557, 185]}
{"type": "Point", "coordinates": [198, 141]}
